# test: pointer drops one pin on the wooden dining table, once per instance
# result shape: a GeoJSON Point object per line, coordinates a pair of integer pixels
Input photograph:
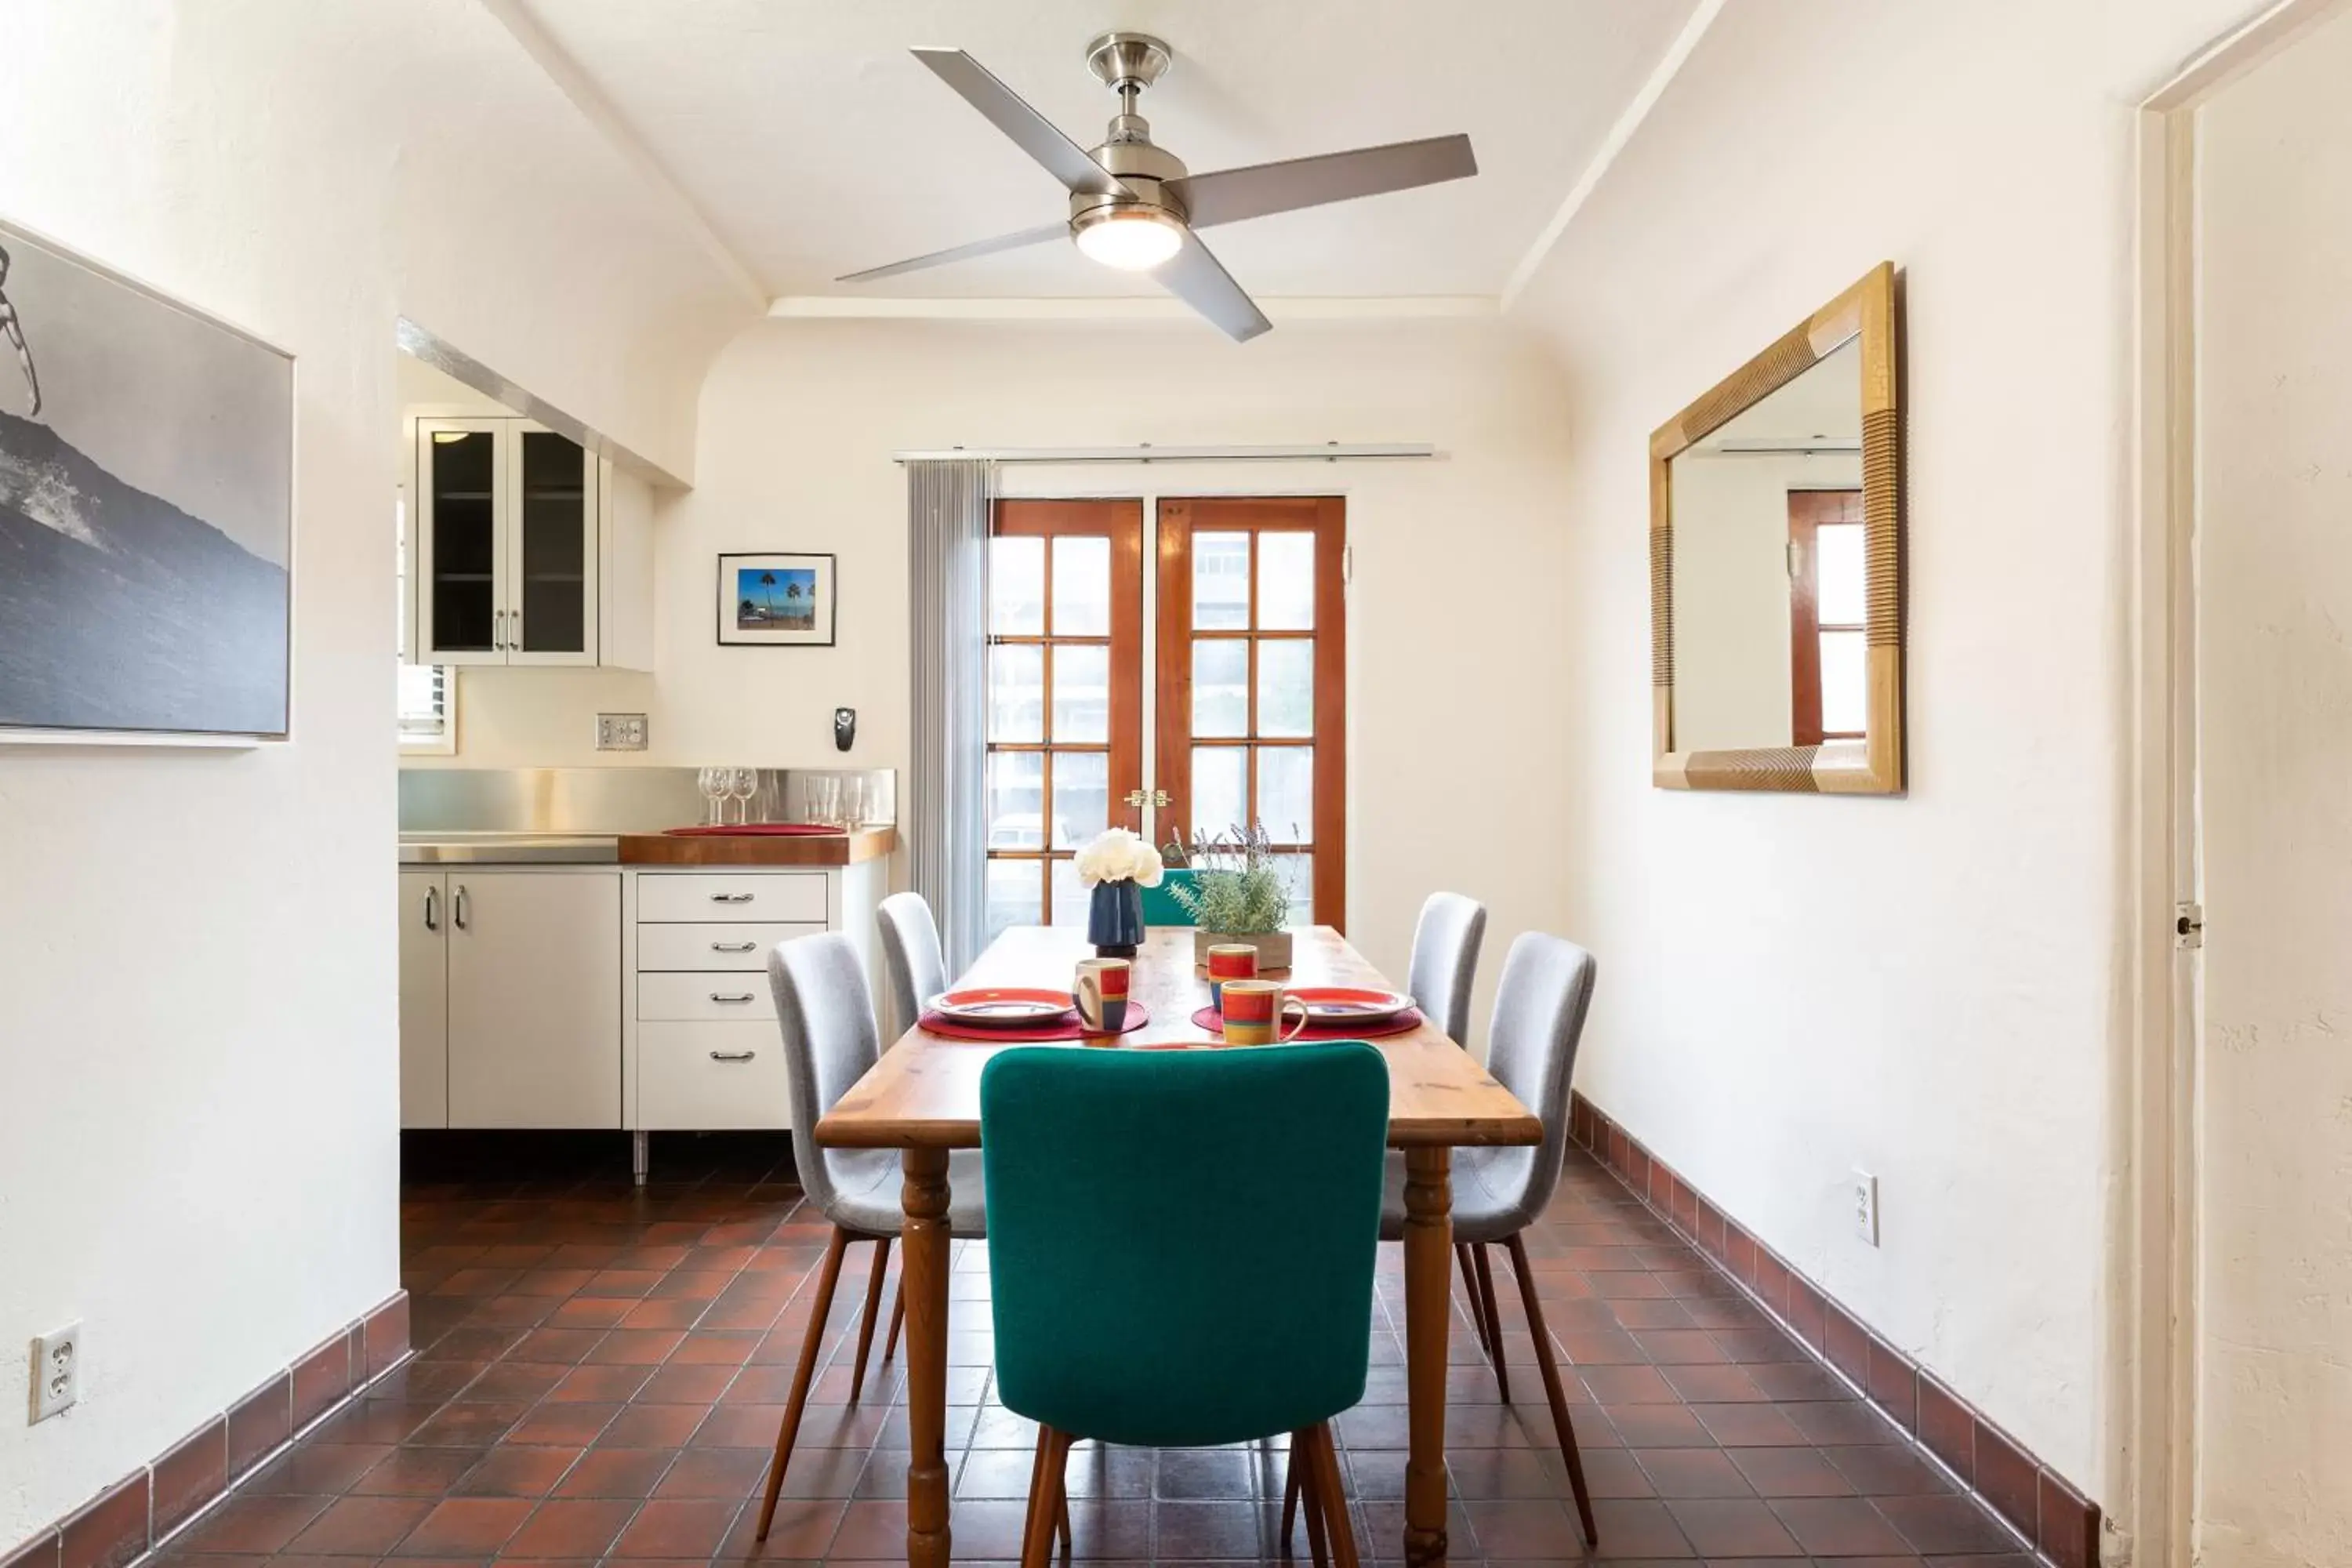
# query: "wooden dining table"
{"type": "Point", "coordinates": [923, 1098]}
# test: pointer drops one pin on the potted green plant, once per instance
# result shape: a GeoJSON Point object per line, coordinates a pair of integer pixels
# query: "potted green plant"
{"type": "Point", "coordinates": [1237, 895]}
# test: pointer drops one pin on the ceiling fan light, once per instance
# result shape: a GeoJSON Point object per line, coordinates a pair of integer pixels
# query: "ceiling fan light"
{"type": "Point", "coordinates": [1132, 239]}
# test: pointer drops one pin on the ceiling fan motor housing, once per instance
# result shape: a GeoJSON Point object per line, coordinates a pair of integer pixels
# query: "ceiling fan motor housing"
{"type": "Point", "coordinates": [1127, 63]}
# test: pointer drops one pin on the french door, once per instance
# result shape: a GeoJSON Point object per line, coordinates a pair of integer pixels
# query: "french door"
{"type": "Point", "coordinates": [1245, 676]}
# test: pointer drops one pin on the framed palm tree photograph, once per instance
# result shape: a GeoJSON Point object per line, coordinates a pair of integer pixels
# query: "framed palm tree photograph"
{"type": "Point", "coordinates": [775, 601]}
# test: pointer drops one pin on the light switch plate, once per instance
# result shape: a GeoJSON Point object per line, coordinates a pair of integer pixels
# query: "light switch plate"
{"type": "Point", "coordinates": [620, 731]}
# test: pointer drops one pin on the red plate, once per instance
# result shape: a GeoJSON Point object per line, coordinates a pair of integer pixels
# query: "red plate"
{"type": "Point", "coordinates": [1006, 1005]}
{"type": "Point", "coordinates": [1349, 1003]}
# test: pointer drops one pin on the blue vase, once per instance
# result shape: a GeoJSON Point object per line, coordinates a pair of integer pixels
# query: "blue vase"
{"type": "Point", "coordinates": [1115, 919]}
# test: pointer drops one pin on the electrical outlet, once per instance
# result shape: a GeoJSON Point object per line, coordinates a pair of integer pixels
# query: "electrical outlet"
{"type": "Point", "coordinates": [620, 731]}
{"type": "Point", "coordinates": [57, 1371]}
{"type": "Point", "coordinates": [1865, 1206]}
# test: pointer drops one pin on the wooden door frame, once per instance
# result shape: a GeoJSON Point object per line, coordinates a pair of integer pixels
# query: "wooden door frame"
{"type": "Point", "coordinates": [1325, 516]}
{"type": "Point", "coordinates": [2151, 1416]}
{"type": "Point", "coordinates": [1049, 518]}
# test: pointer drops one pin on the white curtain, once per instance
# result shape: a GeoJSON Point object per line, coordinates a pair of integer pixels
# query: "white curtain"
{"type": "Point", "coordinates": [949, 510]}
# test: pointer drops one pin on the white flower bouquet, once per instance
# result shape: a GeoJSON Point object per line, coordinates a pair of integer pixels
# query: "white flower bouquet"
{"type": "Point", "coordinates": [1118, 856]}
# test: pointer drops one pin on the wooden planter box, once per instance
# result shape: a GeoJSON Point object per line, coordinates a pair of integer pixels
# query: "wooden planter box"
{"type": "Point", "coordinates": [1273, 948]}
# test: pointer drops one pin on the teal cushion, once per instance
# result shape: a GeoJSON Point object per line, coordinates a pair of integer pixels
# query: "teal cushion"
{"type": "Point", "coordinates": [1180, 1243]}
{"type": "Point", "coordinates": [1159, 905]}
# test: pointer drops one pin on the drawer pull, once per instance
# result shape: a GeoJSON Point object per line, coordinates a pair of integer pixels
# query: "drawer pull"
{"type": "Point", "coordinates": [730, 898]}
{"type": "Point", "coordinates": [733, 946]}
{"type": "Point", "coordinates": [730, 997]}
{"type": "Point", "coordinates": [732, 1056]}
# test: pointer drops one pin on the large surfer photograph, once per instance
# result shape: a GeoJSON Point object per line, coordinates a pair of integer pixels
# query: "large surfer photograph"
{"type": "Point", "coordinates": [146, 509]}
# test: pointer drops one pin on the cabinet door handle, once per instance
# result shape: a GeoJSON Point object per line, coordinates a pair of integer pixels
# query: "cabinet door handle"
{"type": "Point", "coordinates": [732, 898]}
{"type": "Point", "coordinates": [514, 631]}
{"type": "Point", "coordinates": [733, 946]}
{"type": "Point", "coordinates": [431, 909]}
{"type": "Point", "coordinates": [730, 997]}
{"type": "Point", "coordinates": [732, 1056]}
{"type": "Point", "coordinates": [498, 631]}
{"type": "Point", "coordinates": [458, 903]}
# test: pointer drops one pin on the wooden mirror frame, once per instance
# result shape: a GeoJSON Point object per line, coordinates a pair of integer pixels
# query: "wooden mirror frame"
{"type": "Point", "coordinates": [1872, 765]}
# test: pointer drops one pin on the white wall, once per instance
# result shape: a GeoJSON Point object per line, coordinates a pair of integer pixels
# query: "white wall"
{"type": "Point", "coordinates": [198, 1150]}
{"type": "Point", "coordinates": [1925, 987]}
{"type": "Point", "coordinates": [1454, 613]}
{"type": "Point", "coordinates": [2275, 559]}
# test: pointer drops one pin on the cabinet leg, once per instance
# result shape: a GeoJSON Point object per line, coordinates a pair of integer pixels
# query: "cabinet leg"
{"type": "Point", "coordinates": [640, 1155]}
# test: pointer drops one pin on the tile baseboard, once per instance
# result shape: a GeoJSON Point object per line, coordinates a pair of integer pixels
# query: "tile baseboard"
{"type": "Point", "coordinates": [2042, 1506]}
{"type": "Point", "coordinates": [137, 1514]}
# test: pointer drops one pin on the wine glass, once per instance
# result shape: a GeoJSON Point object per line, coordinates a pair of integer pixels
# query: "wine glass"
{"type": "Point", "coordinates": [745, 784]}
{"type": "Point", "coordinates": [713, 785]}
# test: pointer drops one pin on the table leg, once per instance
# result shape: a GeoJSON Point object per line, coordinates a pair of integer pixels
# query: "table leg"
{"type": "Point", "coordinates": [924, 1277]}
{"type": "Point", "coordinates": [1428, 1278]}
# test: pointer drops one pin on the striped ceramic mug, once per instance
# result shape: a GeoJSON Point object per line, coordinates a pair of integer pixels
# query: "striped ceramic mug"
{"type": "Point", "coordinates": [1229, 961]}
{"type": "Point", "coordinates": [1255, 1012]}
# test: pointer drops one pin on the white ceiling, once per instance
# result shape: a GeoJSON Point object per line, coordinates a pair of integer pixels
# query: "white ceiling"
{"type": "Point", "coordinates": [815, 145]}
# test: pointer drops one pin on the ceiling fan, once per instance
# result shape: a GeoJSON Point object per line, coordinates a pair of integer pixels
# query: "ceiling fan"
{"type": "Point", "coordinates": [1135, 206]}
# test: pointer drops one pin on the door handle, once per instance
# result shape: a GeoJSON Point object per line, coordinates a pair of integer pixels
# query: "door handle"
{"type": "Point", "coordinates": [730, 898]}
{"type": "Point", "coordinates": [730, 997]}
{"type": "Point", "coordinates": [732, 1056]}
{"type": "Point", "coordinates": [733, 946]}
{"type": "Point", "coordinates": [431, 909]}
{"type": "Point", "coordinates": [1140, 797]}
{"type": "Point", "coordinates": [498, 631]}
{"type": "Point", "coordinates": [458, 904]}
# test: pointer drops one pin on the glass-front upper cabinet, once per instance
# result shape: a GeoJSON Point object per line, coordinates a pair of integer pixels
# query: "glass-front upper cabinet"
{"type": "Point", "coordinates": [506, 544]}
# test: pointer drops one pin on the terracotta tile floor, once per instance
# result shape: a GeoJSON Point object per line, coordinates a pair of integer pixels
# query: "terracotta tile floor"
{"type": "Point", "coordinates": [599, 1372]}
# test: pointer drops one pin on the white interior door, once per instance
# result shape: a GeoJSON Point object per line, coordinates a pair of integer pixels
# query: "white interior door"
{"type": "Point", "coordinates": [534, 999]}
{"type": "Point", "coordinates": [2274, 756]}
{"type": "Point", "coordinates": [423, 999]}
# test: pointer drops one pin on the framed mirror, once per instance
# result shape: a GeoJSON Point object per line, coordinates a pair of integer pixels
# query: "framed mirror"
{"type": "Point", "coordinates": [1776, 565]}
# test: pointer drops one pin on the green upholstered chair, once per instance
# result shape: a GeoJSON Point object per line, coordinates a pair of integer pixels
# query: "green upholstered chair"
{"type": "Point", "coordinates": [1181, 1249]}
{"type": "Point", "coordinates": [1159, 905]}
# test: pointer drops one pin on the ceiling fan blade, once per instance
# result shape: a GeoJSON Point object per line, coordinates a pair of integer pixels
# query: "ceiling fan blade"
{"type": "Point", "coordinates": [1013, 241]}
{"type": "Point", "coordinates": [1196, 277]}
{"type": "Point", "coordinates": [1030, 131]}
{"type": "Point", "coordinates": [1228, 196]}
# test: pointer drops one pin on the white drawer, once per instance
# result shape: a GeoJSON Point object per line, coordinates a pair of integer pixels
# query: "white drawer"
{"type": "Point", "coordinates": [713, 998]}
{"type": "Point", "coordinates": [797, 896]}
{"type": "Point", "coordinates": [714, 947]}
{"type": "Point", "coordinates": [710, 1077]}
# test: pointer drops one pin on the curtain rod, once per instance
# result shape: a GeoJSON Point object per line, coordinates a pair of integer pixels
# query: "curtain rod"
{"type": "Point", "coordinates": [1327, 452]}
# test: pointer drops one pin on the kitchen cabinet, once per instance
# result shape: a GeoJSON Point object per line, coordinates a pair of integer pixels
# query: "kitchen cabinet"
{"type": "Point", "coordinates": [423, 999]}
{"type": "Point", "coordinates": [510, 997]}
{"type": "Point", "coordinates": [530, 550]}
{"type": "Point", "coordinates": [534, 998]}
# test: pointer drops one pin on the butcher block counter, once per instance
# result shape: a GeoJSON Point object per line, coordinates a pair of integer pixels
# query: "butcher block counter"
{"type": "Point", "coordinates": [851, 848]}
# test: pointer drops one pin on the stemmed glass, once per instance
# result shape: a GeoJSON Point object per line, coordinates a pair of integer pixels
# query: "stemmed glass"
{"type": "Point", "coordinates": [744, 783]}
{"type": "Point", "coordinates": [714, 784]}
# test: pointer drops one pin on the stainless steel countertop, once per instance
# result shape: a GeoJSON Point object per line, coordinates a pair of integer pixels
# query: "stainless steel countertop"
{"type": "Point", "coordinates": [449, 848]}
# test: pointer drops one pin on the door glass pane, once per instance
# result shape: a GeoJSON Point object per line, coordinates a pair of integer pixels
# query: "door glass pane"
{"type": "Point", "coordinates": [1845, 683]}
{"type": "Point", "coordinates": [1841, 585]}
{"type": "Point", "coordinates": [1286, 793]}
{"type": "Point", "coordinates": [1016, 895]}
{"type": "Point", "coordinates": [1298, 876]}
{"type": "Point", "coordinates": [1218, 802]}
{"type": "Point", "coordinates": [1081, 797]}
{"type": "Point", "coordinates": [1286, 687]}
{"type": "Point", "coordinates": [1285, 582]}
{"type": "Point", "coordinates": [1017, 586]}
{"type": "Point", "coordinates": [554, 524]}
{"type": "Point", "coordinates": [1221, 582]}
{"type": "Point", "coordinates": [1016, 693]}
{"type": "Point", "coordinates": [464, 583]}
{"type": "Point", "coordinates": [1016, 800]}
{"type": "Point", "coordinates": [1220, 686]}
{"type": "Point", "coordinates": [1070, 900]}
{"type": "Point", "coordinates": [1081, 693]}
{"type": "Point", "coordinates": [1081, 587]}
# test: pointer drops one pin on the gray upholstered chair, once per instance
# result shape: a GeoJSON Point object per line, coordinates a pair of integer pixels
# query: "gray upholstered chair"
{"type": "Point", "coordinates": [826, 1016]}
{"type": "Point", "coordinates": [911, 958]}
{"type": "Point", "coordinates": [1445, 962]}
{"type": "Point", "coordinates": [1539, 1008]}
